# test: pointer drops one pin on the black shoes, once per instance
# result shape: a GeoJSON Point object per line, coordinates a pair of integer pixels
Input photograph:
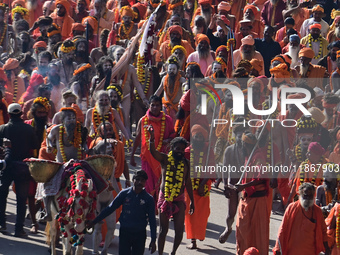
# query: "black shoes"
{"type": "Point", "coordinates": [20, 234]}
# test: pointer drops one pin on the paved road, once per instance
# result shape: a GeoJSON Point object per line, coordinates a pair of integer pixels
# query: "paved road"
{"type": "Point", "coordinates": [35, 243]}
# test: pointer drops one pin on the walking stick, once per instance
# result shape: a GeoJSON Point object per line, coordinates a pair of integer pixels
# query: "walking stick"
{"type": "Point", "coordinates": [252, 152]}
{"type": "Point", "coordinates": [210, 134]}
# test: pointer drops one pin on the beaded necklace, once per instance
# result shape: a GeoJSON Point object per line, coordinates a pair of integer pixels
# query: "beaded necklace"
{"type": "Point", "coordinates": [123, 32]}
{"type": "Point", "coordinates": [173, 180]}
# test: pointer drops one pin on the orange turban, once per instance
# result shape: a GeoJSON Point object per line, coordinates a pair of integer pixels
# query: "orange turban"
{"type": "Point", "coordinates": [175, 28]}
{"type": "Point", "coordinates": [40, 44]}
{"type": "Point", "coordinates": [3, 75]}
{"type": "Point", "coordinates": [127, 11]}
{"type": "Point", "coordinates": [252, 8]}
{"type": "Point", "coordinates": [78, 27]}
{"type": "Point", "coordinates": [11, 64]}
{"type": "Point", "coordinates": [306, 52]}
{"type": "Point", "coordinates": [287, 58]}
{"type": "Point", "coordinates": [199, 129]}
{"type": "Point", "coordinates": [205, 2]}
{"type": "Point", "coordinates": [224, 6]}
{"type": "Point", "coordinates": [251, 251]}
{"type": "Point", "coordinates": [92, 22]}
{"type": "Point", "coordinates": [64, 3]}
{"type": "Point", "coordinates": [280, 73]}
{"type": "Point", "coordinates": [316, 25]}
{"type": "Point", "coordinates": [257, 64]}
{"type": "Point", "coordinates": [248, 40]}
{"type": "Point", "coordinates": [141, 9]}
{"type": "Point", "coordinates": [200, 38]}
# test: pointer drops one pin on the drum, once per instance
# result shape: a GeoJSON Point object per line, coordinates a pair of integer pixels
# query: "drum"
{"type": "Point", "coordinates": [42, 170]}
{"type": "Point", "coordinates": [103, 164]}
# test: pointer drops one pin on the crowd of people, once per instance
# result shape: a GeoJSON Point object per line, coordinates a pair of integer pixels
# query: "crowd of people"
{"type": "Point", "coordinates": [91, 77]}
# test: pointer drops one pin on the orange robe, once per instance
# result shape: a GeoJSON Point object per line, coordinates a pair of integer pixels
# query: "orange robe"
{"type": "Point", "coordinates": [252, 224]}
{"type": "Point", "coordinates": [149, 163]}
{"type": "Point", "coordinates": [332, 232]}
{"type": "Point", "coordinates": [298, 235]}
{"type": "Point", "coordinates": [309, 176]}
{"type": "Point", "coordinates": [316, 74]}
{"type": "Point", "coordinates": [65, 23]}
{"type": "Point", "coordinates": [196, 225]}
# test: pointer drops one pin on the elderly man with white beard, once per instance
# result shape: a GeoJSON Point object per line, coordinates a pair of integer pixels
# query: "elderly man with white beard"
{"type": "Point", "coordinates": [203, 55]}
{"type": "Point", "coordinates": [303, 229]}
{"type": "Point", "coordinates": [94, 116]}
{"type": "Point", "coordinates": [334, 32]}
{"type": "Point", "coordinates": [247, 51]}
{"type": "Point", "coordinates": [205, 10]}
{"type": "Point", "coordinates": [314, 73]}
{"type": "Point", "coordinates": [293, 49]}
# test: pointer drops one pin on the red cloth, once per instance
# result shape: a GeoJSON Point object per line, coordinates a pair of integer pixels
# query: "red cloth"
{"type": "Point", "coordinates": [169, 208]}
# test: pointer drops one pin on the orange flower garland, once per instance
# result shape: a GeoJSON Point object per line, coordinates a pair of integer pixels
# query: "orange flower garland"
{"type": "Point", "coordinates": [124, 33]}
{"type": "Point", "coordinates": [171, 96]}
{"type": "Point", "coordinates": [82, 69]}
{"type": "Point", "coordinates": [3, 34]}
{"type": "Point", "coordinates": [146, 133]}
{"type": "Point", "coordinates": [44, 101]}
{"type": "Point", "coordinates": [76, 141]}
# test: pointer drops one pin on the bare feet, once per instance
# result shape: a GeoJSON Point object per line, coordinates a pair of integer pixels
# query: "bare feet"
{"type": "Point", "coordinates": [224, 236]}
{"type": "Point", "coordinates": [192, 246]}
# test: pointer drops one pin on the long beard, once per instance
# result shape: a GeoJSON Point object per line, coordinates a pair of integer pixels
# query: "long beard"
{"type": "Point", "coordinates": [70, 129]}
{"type": "Point", "coordinates": [293, 52]}
{"type": "Point", "coordinates": [177, 156]}
{"type": "Point", "coordinates": [103, 110]}
{"type": "Point", "coordinates": [306, 203]}
{"type": "Point", "coordinates": [303, 70]}
{"type": "Point", "coordinates": [203, 54]}
{"type": "Point", "coordinates": [31, 5]}
{"type": "Point", "coordinates": [207, 16]}
{"type": "Point", "coordinates": [114, 104]}
{"type": "Point", "coordinates": [40, 126]}
{"type": "Point", "coordinates": [337, 32]}
{"type": "Point", "coordinates": [197, 144]}
{"type": "Point", "coordinates": [80, 54]}
{"type": "Point", "coordinates": [274, 1]}
{"type": "Point", "coordinates": [25, 47]}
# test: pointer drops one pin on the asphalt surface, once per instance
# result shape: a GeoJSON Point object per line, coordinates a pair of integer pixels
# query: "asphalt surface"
{"type": "Point", "coordinates": [35, 243]}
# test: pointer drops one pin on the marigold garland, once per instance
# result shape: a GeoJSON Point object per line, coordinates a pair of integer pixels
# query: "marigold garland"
{"type": "Point", "coordinates": [302, 172]}
{"type": "Point", "coordinates": [195, 182]}
{"type": "Point", "coordinates": [173, 180]}
{"type": "Point", "coordinates": [76, 141]}
{"type": "Point", "coordinates": [67, 49]}
{"type": "Point", "coordinates": [123, 32]}
{"type": "Point", "coordinates": [141, 76]}
{"type": "Point", "coordinates": [22, 11]}
{"type": "Point", "coordinates": [82, 69]}
{"type": "Point", "coordinates": [43, 101]}
{"type": "Point", "coordinates": [115, 89]}
{"type": "Point", "coordinates": [298, 153]}
{"type": "Point", "coordinates": [146, 133]}
{"type": "Point", "coordinates": [310, 40]}
{"type": "Point", "coordinates": [171, 96]}
{"type": "Point", "coordinates": [231, 42]}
